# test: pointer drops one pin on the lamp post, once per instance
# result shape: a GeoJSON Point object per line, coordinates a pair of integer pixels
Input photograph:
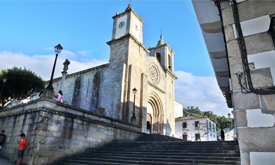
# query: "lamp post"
{"type": "Point", "coordinates": [133, 119]}
{"type": "Point", "coordinates": [4, 81]}
{"type": "Point", "coordinates": [58, 48]}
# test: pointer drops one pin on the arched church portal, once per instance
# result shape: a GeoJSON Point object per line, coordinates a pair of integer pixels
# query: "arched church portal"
{"type": "Point", "coordinates": [154, 114]}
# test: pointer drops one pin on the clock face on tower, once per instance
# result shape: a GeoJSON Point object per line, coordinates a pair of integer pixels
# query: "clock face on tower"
{"type": "Point", "coordinates": [121, 24]}
{"type": "Point", "coordinates": [136, 27]}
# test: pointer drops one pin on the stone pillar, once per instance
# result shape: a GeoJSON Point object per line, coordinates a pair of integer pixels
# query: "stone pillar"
{"type": "Point", "coordinates": [64, 73]}
{"type": "Point", "coordinates": [48, 93]}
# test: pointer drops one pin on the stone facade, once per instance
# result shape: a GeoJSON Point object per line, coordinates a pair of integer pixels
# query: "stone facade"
{"type": "Point", "coordinates": [56, 130]}
{"type": "Point", "coordinates": [129, 67]}
{"type": "Point", "coordinates": [248, 36]}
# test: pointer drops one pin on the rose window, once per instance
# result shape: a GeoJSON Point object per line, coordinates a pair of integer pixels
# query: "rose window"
{"type": "Point", "coordinates": [154, 74]}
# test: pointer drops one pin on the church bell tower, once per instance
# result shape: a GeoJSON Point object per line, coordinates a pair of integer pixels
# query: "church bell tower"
{"type": "Point", "coordinates": [127, 56]}
{"type": "Point", "coordinates": [125, 25]}
{"type": "Point", "coordinates": [164, 54]}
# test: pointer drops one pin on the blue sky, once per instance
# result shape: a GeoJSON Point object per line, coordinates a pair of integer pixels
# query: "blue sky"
{"type": "Point", "coordinates": [30, 29]}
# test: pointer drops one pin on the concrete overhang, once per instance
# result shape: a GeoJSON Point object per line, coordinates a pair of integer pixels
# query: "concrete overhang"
{"type": "Point", "coordinates": [210, 23]}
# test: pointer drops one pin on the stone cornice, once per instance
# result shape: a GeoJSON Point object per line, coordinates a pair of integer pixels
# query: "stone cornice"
{"type": "Point", "coordinates": [195, 118]}
{"type": "Point", "coordinates": [80, 72]}
{"type": "Point", "coordinates": [127, 36]}
{"type": "Point", "coordinates": [159, 46]}
{"type": "Point", "coordinates": [130, 10]}
{"type": "Point", "coordinates": [167, 71]}
{"type": "Point", "coordinates": [156, 87]}
{"type": "Point", "coordinates": [66, 114]}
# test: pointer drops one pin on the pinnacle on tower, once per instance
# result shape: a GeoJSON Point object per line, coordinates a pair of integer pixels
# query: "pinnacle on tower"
{"type": "Point", "coordinates": [129, 7]}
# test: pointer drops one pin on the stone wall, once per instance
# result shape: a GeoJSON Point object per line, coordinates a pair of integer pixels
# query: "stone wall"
{"type": "Point", "coordinates": [55, 130]}
{"type": "Point", "coordinates": [254, 113]}
{"type": "Point", "coordinates": [82, 90]}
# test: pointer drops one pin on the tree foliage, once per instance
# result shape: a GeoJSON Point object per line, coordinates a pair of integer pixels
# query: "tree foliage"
{"type": "Point", "coordinates": [20, 83]}
{"type": "Point", "coordinates": [221, 121]}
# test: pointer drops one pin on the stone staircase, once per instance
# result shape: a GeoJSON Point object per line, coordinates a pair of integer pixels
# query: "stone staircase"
{"type": "Point", "coordinates": [160, 150]}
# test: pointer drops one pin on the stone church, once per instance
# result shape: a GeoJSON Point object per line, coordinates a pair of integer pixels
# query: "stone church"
{"type": "Point", "coordinates": [108, 88]}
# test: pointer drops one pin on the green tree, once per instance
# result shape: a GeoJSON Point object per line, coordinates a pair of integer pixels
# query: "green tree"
{"type": "Point", "coordinates": [185, 112]}
{"type": "Point", "coordinates": [20, 83]}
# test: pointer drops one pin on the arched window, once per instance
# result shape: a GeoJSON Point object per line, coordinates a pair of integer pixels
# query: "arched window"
{"type": "Point", "coordinates": [169, 62]}
{"type": "Point", "coordinates": [158, 57]}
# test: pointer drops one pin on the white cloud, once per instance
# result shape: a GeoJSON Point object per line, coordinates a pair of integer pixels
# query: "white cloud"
{"type": "Point", "coordinates": [42, 64]}
{"type": "Point", "coordinates": [49, 48]}
{"type": "Point", "coordinates": [65, 54]}
{"type": "Point", "coordinates": [84, 53]}
{"type": "Point", "coordinates": [202, 92]}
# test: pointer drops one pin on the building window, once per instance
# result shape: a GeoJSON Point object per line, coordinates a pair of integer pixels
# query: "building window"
{"type": "Point", "coordinates": [210, 126]}
{"type": "Point", "coordinates": [197, 124]}
{"type": "Point", "coordinates": [184, 137]}
{"type": "Point", "coordinates": [198, 137]}
{"type": "Point", "coordinates": [158, 57]}
{"type": "Point", "coordinates": [184, 125]}
{"type": "Point", "coordinates": [272, 29]}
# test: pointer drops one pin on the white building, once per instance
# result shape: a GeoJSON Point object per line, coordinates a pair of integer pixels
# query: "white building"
{"type": "Point", "coordinates": [229, 134]}
{"type": "Point", "coordinates": [178, 109]}
{"type": "Point", "coordinates": [194, 128]}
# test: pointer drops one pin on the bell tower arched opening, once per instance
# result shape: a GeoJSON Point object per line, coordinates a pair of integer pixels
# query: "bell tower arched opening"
{"type": "Point", "coordinates": [158, 56]}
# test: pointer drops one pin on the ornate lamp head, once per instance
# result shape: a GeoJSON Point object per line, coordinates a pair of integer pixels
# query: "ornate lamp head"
{"type": "Point", "coordinates": [58, 48]}
{"type": "Point", "coordinates": [134, 91]}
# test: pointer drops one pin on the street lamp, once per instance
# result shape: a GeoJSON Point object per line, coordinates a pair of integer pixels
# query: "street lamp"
{"type": "Point", "coordinates": [4, 81]}
{"type": "Point", "coordinates": [133, 119]}
{"type": "Point", "coordinates": [58, 48]}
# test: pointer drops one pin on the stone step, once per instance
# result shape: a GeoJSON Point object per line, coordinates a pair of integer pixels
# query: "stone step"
{"type": "Point", "coordinates": [140, 161]}
{"type": "Point", "coordinates": [112, 163]}
{"type": "Point", "coordinates": [185, 142]}
{"type": "Point", "coordinates": [157, 157]}
{"type": "Point", "coordinates": [164, 154]}
{"type": "Point", "coordinates": [156, 137]}
{"type": "Point", "coordinates": [229, 143]}
{"type": "Point", "coordinates": [174, 147]}
{"type": "Point", "coordinates": [171, 144]}
{"type": "Point", "coordinates": [171, 150]}
{"type": "Point", "coordinates": [159, 150]}
{"type": "Point", "coordinates": [176, 141]}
